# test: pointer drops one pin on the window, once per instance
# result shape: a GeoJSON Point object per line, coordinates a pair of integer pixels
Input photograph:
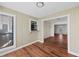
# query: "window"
{"type": "Point", "coordinates": [6, 31]}
{"type": "Point", "coordinates": [33, 25]}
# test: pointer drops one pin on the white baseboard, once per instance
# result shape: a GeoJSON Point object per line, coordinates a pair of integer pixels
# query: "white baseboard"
{"type": "Point", "coordinates": [19, 48]}
{"type": "Point", "coordinates": [42, 41]}
{"type": "Point", "coordinates": [73, 53]}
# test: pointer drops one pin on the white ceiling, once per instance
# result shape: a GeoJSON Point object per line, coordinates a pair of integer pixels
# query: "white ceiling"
{"type": "Point", "coordinates": [30, 8]}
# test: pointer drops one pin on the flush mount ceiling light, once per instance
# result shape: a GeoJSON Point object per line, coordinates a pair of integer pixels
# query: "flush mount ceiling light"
{"type": "Point", "coordinates": [40, 4]}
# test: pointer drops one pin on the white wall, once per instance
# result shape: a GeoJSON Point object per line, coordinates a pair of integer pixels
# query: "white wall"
{"type": "Point", "coordinates": [47, 29]}
{"type": "Point", "coordinates": [40, 34]}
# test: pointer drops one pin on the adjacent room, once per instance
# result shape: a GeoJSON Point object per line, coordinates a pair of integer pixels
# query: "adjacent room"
{"type": "Point", "coordinates": [39, 29]}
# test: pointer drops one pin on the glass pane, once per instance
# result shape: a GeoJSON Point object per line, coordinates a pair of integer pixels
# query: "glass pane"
{"type": "Point", "coordinates": [6, 31]}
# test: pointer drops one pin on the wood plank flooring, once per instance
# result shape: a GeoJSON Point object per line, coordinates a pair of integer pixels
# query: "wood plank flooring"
{"type": "Point", "coordinates": [50, 48]}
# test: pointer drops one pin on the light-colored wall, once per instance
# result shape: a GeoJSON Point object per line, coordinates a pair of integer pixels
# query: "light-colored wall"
{"type": "Point", "coordinates": [23, 34]}
{"type": "Point", "coordinates": [74, 29]}
{"type": "Point", "coordinates": [40, 34]}
{"type": "Point", "coordinates": [47, 29]}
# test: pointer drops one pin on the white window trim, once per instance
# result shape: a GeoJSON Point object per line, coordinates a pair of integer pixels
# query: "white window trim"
{"type": "Point", "coordinates": [14, 20]}
{"type": "Point", "coordinates": [37, 25]}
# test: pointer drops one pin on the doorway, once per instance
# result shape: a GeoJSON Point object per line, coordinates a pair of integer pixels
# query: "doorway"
{"type": "Point", "coordinates": [59, 30]}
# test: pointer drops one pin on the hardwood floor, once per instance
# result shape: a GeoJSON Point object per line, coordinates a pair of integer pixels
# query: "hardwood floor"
{"type": "Point", "coordinates": [50, 48]}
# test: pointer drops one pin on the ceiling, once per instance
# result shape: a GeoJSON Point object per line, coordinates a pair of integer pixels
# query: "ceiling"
{"type": "Point", "coordinates": [30, 8]}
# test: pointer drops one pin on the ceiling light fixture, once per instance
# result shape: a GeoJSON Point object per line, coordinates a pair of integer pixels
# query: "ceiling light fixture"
{"type": "Point", "coordinates": [40, 4]}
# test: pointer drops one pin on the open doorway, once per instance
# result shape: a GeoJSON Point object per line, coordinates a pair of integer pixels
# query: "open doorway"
{"type": "Point", "coordinates": [57, 31]}
{"type": "Point", "coordinates": [61, 32]}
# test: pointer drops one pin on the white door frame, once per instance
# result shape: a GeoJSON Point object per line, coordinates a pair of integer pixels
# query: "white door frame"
{"type": "Point", "coordinates": [68, 26]}
{"type": "Point", "coordinates": [14, 35]}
